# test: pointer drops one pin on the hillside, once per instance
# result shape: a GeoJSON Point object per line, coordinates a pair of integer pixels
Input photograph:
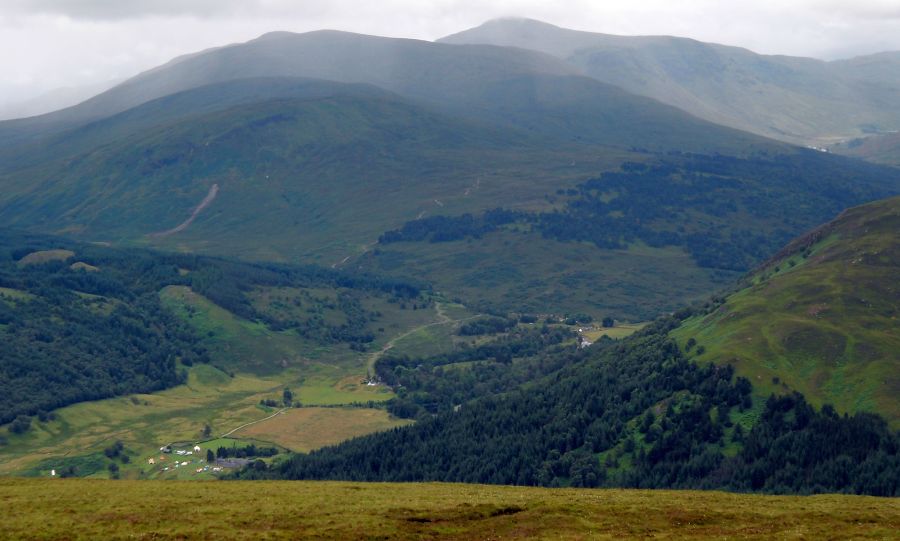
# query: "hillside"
{"type": "Point", "coordinates": [407, 66]}
{"type": "Point", "coordinates": [883, 148]}
{"type": "Point", "coordinates": [312, 165]}
{"type": "Point", "coordinates": [801, 100]}
{"type": "Point", "coordinates": [69, 508]}
{"type": "Point", "coordinates": [820, 317]}
{"type": "Point", "coordinates": [632, 243]}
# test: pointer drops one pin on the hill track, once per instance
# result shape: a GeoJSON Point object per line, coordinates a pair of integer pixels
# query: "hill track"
{"type": "Point", "coordinates": [443, 319]}
{"type": "Point", "coordinates": [210, 196]}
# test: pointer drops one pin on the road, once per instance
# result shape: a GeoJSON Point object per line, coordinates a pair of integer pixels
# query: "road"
{"type": "Point", "coordinates": [443, 319]}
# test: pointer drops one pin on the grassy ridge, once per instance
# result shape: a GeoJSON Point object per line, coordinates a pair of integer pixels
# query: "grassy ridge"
{"type": "Point", "coordinates": [820, 318]}
{"type": "Point", "coordinates": [84, 509]}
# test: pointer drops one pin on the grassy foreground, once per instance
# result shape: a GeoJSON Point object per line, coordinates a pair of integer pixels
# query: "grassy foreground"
{"type": "Point", "coordinates": [97, 509]}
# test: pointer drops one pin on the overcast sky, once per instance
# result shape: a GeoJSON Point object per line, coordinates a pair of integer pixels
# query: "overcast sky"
{"type": "Point", "coordinates": [48, 44]}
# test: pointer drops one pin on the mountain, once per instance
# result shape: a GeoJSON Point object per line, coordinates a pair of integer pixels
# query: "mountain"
{"type": "Point", "coordinates": [801, 100]}
{"type": "Point", "coordinates": [248, 151]}
{"type": "Point", "coordinates": [523, 88]}
{"type": "Point", "coordinates": [310, 162]}
{"type": "Point", "coordinates": [410, 67]}
{"type": "Point", "coordinates": [820, 317]}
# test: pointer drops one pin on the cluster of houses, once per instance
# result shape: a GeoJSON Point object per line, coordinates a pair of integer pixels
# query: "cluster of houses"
{"type": "Point", "coordinates": [167, 450]}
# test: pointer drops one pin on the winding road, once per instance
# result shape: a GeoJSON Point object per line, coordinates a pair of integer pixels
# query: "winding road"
{"type": "Point", "coordinates": [443, 319]}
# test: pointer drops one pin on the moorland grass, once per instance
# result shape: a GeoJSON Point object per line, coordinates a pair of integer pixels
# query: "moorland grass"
{"type": "Point", "coordinates": [96, 509]}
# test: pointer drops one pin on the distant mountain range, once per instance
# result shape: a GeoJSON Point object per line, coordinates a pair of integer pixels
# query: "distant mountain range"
{"type": "Point", "coordinates": [800, 100]}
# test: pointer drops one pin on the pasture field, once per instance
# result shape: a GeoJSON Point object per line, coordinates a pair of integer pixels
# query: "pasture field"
{"type": "Point", "coordinates": [618, 332]}
{"type": "Point", "coordinates": [99, 509]}
{"type": "Point", "coordinates": [14, 294]}
{"type": "Point", "coordinates": [145, 422]}
{"type": "Point", "coordinates": [305, 429]}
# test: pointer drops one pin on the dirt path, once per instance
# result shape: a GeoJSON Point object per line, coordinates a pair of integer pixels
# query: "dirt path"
{"type": "Point", "coordinates": [443, 319]}
{"type": "Point", "coordinates": [364, 250]}
{"type": "Point", "coordinates": [245, 425]}
{"type": "Point", "coordinates": [213, 191]}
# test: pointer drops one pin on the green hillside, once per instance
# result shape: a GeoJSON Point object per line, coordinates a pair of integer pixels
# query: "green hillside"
{"type": "Point", "coordinates": [312, 164]}
{"type": "Point", "coordinates": [801, 100]}
{"type": "Point", "coordinates": [174, 108]}
{"type": "Point", "coordinates": [632, 243]}
{"type": "Point", "coordinates": [820, 318]}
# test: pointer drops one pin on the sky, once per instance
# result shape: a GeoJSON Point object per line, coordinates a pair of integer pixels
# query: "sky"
{"type": "Point", "coordinates": [52, 44]}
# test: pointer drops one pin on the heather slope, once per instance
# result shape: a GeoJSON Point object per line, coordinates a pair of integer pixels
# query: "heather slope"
{"type": "Point", "coordinates": [820, 317]}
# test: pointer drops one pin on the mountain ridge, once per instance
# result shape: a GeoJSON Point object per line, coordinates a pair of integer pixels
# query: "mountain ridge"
{"type": "Point", "coordinates": [774, 95]}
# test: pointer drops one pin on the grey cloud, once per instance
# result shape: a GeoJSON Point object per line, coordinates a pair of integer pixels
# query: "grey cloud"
{"type": "Point", "coordinates": [860, 9]}
{"type": "Point", "coordinates": [132, 9]}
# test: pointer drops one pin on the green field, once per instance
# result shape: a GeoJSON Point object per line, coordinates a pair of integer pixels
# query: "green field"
{"type": "Point", "coordinates": [617, 333]}
{"type": "Point", "coordinates": [95, 509]}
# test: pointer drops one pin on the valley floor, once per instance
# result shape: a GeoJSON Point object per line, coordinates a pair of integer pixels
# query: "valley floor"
{"type": "Point", "coordinates": [99, 509]}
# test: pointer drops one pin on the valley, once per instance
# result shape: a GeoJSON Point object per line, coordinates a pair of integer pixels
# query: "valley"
{"type": "Point", "coordinates": [519, 281]}
{"type": "Point", "coordinates": [236, 390]}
